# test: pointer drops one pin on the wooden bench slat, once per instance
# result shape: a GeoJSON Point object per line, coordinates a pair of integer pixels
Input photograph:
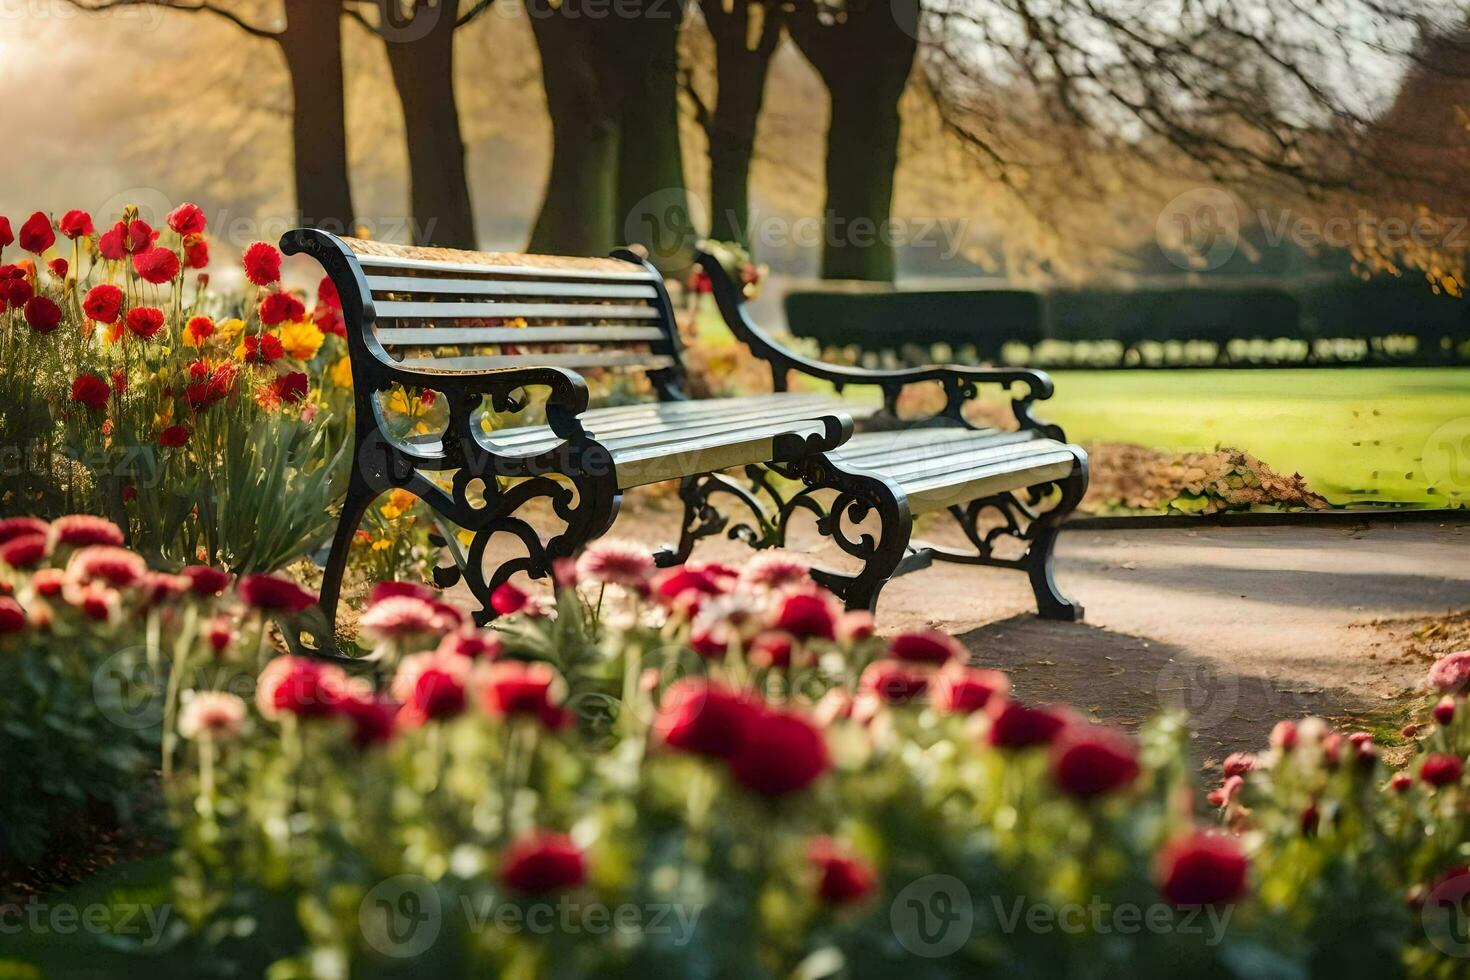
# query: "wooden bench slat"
{"type": "Point", "coordinates": [584, 334]}
{"type": "Point", "coordinates": [594, 359]}
{"type": "Point", "coordinates": [501, 287]}
{"type": "Point", "coordinates": [898, 447]}
{"type": "Point", "coordinates": [634, 274]}
{"type": "Point", "coordinates": [970, 485]}
{"type": "Point", "coordinates": [394, 310]}
{"type": "Point", "coordinates": [940, 466]}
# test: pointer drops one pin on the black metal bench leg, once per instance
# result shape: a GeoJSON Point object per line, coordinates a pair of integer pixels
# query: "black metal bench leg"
{"type": "Point", "coordinates": [1051, 603]}
{"type": "Point", "coordinates": [702, 519]}
{"type": "Point", "coordinates": [360, 496]}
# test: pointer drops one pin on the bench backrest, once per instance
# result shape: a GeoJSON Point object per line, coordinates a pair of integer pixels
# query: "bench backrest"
{"type": "Point", "coordinates": [433, 309]}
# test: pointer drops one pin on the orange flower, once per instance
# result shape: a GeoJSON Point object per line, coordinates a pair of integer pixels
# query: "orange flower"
{"type": "Point", "coordinates": [198, 330]}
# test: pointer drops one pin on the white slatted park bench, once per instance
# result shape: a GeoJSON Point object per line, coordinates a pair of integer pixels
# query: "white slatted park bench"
{"type": "Point", "coordinates": [484, 329]}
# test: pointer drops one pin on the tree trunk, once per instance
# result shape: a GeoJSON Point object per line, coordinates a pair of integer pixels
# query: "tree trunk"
{"type": "Point", "coordinates": [865, 62]}
{"type": "Point", "coordinates": [578, 210]}
{"type": "Point", "coordinates": [422, 62]}
{"type": "Point", "coordinates": [652, 202]}
{"type": "Point", "coordinates": [311, 44]}
{"type": "Point", "coordinates": [740, 74]}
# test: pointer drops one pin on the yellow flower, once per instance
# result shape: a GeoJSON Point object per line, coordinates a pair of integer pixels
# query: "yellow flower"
{"type": "Point", "coordinates": [399, 501]}
{"type": "Point", "coordinates": [301, 339]}
{"type": "Point", "coordinates": [341, 373]}
{"type": "Point", "coordinates": [382, 544]}
{"type": "Point", "coordinates": [228, 330]}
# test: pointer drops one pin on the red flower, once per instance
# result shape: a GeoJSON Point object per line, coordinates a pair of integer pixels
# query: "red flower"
{"type": "Point", "coordinates": [262, 264]}
{"type": "Point", "coordinates": [289, 388]}
{"type": "Point", "coordinates": [326, 293]}
{"type": "Point", "coordinates": [473, 646]}
{"type": "Point", "coordinates": [515, 688]}
{"type": "Point", "coordinates": [1444, 708]}
{"type": "Point", "coordinates": [199, 328]}
{"type": "Point", "coordinates": [781, 753]}
{"type": "Point", "coordinates": [187, 219]}
{"type": "Point", "coordinates": [1015, 726]}
{"type": "Point", "coordinates": [807, 614]}
{"type": "Point", "coordinates": [772, 648]}
{"type": "Point", "coordinates": [963, 690]}
{"type": "Point", "coordinates": [157, 265]}
{"type": "Point", "coordinates": [141, 236]}
{"type": "Point", "coordinates": [372, 719]}
{"type": "Point", "coordinates": [263, 349]}
{"type": "Point", "coordinates": [114, 243]}
{"type": "Point", "coordinates": [300, 686]}
{"type": "Point", "coordinates": [926, 647]}
{"type": "Point", "coordinates": [509, 599]}
{"type": "Point", "coordinates": [7, 236]}
{"type": "Point", "coordinates": [58, 267]}
{"type": "Point", "coordinates": [80, 530]}
{"type": "Point", "coordinates": [1226, 791]}
{"type": "Point", "coordinates": [1400, 782]}
{"type": "Point", "coordinates": [174, 436]}
{"type": "Point", "coordinates": [431, 687]}
{"type": "Point", "coordinates": [281, 308]}
{"type": "Point", "coordinates": [12, 617]}
{"type": "Point", "coordinates": [204, 580]}
{"type": "Point", "coordinates": [673, 585]}
{"type": "Point", "coordinates": [893, 681]}
{"type": "Point", "coordinates": [114, 565]}
{"type": "Point", "coordinates": [1283, 736]}
{"type": "Point", "coordinates": [328, 319]}
{"type": "Point", "coordinates": [36, 235]}
{"type": "Point", "coordinates": [1239, 763]}
{"type": "Point", "coordinates": [15, 527]}
{"type": "Point", "coordinates": [274, 594]}
{"type": "Point", "coordinates": [24, 551]}
{"type": "Point", "coordinates": [42, 314]}
{"type": "Point", "coordinates": [76, 224]}
{"type": "Point", "coordinates": [144, 321]}
{"type": "Point", "coordinates": [391, 590]}
{"type": "Point", "coordinates": [1089, 760]}
{"type": "Point", "coordinates": [699, 717]}
{"type": "Point", "coordinates": [1441, 769]}
{"type": "Point", "coordinates": [91, 391]}
{"type": "Point", "coordinates": [196, 252]}
{"type": "Point", "coordinates": [543, 861]}
{"type": "Point", "coordinates": [18, 290]}
{"type": "Point", "coordinates": [103, 303]}
{"type": "Point", "coordinates": [842, 879]}
{"type": "Point", "coordinates": [1202, 869]}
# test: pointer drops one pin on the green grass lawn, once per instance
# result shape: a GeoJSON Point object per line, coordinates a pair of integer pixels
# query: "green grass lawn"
{"type": "Point", "coordinates": [1358, 435]}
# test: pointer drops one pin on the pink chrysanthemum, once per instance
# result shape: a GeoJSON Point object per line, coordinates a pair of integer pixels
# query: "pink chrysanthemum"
{"type": "Point", "coordinates": [776, 570]}
{"type": "Point", "coordinates": [16, 527]}
{"type": "Point", "coordinates": [398, 617]}
{"type": "Point", "coordinates": [614, 562]}
{"type": "Point", "coordinates": [98, 602]}
{"type": "Point", "coordinates": [217, 713]}
{"type": "Point", "coordinates": [431, 687]}
{"type": "Point", "coordinates": [118, 567]}
{"type": "Point", "coordinates": [1451, 673]}
{"type": "Point", "coordinates": [80, 530]}
{"type": "Point", "coordinates": [300, 686]}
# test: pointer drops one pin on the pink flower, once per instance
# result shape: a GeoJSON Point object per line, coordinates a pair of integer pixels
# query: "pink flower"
{"type": "Point", "coordinates": [512, 687]}
{"type": "Point", "coordinates": [1400, 782]}
{"type": "Point", "coordinates": [776, 570]}
{"type": "Point", "coordinates": [1451, 673]}
{"type": "Point", "coordinates": [476, 645]}
{"type": "Point", "coordinates": [216, 713]}
{"type": "Point", "coordinates": [48, 582]}
{"type": "Point", "coordinates": [855, 626]}
{"type": "Point", "coordinates": [80, 530]}
{"type": "Point", "coordinates": [205, 580]}
{"type": "Point", "coordinates": [842, 879]}
{"type": "Point", "coordinates": [25, 551]}
{"type": "Point", "coordinates": [219, 632]}
{"type": "Point", "coordinates": [274, 594]}
{"type": "Point", "coordinates": [685, 588]}
{"type": "Point", "coordinates": [963, 690]}
{"type": "Point", "coordinates": [810, 614]}
{"type": "Point", "coordinates": [772, 648]}
{"type": "Point", "coordinates": [1202, 869]}
{"type": "Point", "coordinates": [510, 599]}
{"type": "Point", "coordinates": [1444, 709]}
{"type": "Point", "coordinates": [15, 527]}
{"type": "Point", "coordinates": [1239, 763]}
{"type": "Point", "coordinates": [926, 647]}
{"type": "Point", "coordinates": [96, 601]}
{"type": "Point", "coordinates": [614, 562]}
{"type": "Point", "coordinates": [431, 687]}
{"type": "Point", "coordinates": [300, 686]}
{"type": "Point", "coordinates": [1090, 760]}
{"type": "Point", "coordinates": [400, 617]}
{"type": "Point", "coordinates": [1227, 791]}
{"type": "Point", "coordinates": [894, 681]}
{"type": "Point", "coordinates": [1284, 736]}
{"type": "Point", "coordinates": [387, 590]}
{"type": "Point", "coordinates": [373, 719]}
{"type": "Point", "coordinates": [116, 566]}
{"type": "Point", "coordinates": [1441, 769]}
{"type": "Point", "coordinates": [541, 862]}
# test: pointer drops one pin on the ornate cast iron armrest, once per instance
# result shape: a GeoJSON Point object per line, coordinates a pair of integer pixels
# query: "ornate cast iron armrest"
{"type": "Point", "coordinates": [960, 382]}
{"type": "Point", "coordinates": [565, 401]}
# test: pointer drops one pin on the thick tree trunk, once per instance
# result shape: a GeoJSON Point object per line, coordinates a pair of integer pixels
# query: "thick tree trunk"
{"type": "Point", "coordinates": [311, 44]}
{"type": "Point", "coordinates": [422, 62]}
{"type": "Point", "coordinates": [865, 62]}
{"type": "Point", "coordinates": [578, 211]}
{"type": "Point", "coordinates": [740, 74]}
{"type": "Point", "coordinates": [652, 203]}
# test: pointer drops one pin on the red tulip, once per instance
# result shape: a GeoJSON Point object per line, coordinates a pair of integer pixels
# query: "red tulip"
{"type": "Point", "coordinates": [1090, 760]}
{"type": "Point", "coordinates": [1202, 869]}
{"type": "Point", "coordinates": [780, 753]}
{"type": "Point", "coordinates": [543, 861]}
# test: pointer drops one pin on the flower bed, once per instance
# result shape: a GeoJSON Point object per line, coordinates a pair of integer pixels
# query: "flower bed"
{"type": "Point", "coordinates": [711, 770]}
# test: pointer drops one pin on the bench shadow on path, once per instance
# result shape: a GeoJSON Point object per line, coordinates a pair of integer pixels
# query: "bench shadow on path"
{"type": "Point", "coordinates": [1126, 680]}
